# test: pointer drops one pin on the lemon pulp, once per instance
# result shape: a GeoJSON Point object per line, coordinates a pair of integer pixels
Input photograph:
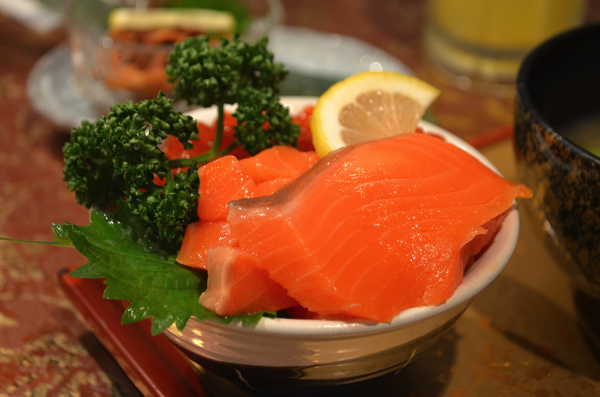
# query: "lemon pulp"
{"type": "Point", "coordinates": [367, 106]}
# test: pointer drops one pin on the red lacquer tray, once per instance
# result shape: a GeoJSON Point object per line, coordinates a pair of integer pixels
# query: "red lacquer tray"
{"type": "Point", "coordinates": [152, 363]}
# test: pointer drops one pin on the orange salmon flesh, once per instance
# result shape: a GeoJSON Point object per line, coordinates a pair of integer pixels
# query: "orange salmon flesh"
{"type": "Point", "coordinates": [367, 232]}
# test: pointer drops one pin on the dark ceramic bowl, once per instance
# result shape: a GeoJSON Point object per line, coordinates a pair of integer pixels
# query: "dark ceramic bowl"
{"type": "Point", "coordinates": [559, 85]}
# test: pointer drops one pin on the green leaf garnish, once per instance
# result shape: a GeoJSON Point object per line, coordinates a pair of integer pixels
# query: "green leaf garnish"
{"type": "Point", "coordinates": [152, 281]}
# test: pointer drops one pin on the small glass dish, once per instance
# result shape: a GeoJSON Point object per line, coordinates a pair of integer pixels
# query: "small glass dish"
{"type": "Point", "coordinates": [109, 71]}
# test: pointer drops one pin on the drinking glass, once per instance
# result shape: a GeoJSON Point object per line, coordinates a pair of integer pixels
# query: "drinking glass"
{"type": "Point", "coordinates": [480, 43]}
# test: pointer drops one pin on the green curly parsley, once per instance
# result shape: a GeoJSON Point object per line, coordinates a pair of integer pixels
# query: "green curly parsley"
{"type": "Point", "coordinates": [112, 164]}
{"type": "Point", "coordinates": [236, 72]}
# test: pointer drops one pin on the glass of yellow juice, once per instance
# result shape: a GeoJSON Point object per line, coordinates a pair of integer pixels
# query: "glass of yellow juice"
{"type": "Point", "coordinates": [484, 41]}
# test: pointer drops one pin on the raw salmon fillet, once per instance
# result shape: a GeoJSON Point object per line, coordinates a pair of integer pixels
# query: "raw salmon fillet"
{"type": "Point", "coordinates": [221, 181]}
{"type": "Point", "coordinates": [250, 289]}
{"type": "Point", "coordinates": [279, 162]}
{"type": "Point", "coordinates": [199, 238]}
{"type": "Point", "coordinates": [226, 179]}
{"type": "Point", "coordinates": [372, 229]}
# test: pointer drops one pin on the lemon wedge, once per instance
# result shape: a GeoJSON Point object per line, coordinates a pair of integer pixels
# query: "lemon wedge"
{"type": "Point", "coordinates": [368, 106]}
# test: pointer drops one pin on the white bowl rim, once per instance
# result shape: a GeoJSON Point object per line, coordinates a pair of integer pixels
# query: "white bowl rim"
{"type": "Point", "coordinates": [488, 266]}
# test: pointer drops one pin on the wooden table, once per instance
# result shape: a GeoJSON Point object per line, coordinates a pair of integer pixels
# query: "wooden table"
{"type": "Point", "coordinates": [521, 336]}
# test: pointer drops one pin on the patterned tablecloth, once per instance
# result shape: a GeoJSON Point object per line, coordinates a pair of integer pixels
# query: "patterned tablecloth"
{"type": "Point", "coordinates": [520, 337]}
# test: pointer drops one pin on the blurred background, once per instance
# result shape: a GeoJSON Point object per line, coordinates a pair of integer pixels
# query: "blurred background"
{"type": "Point", "coordinates": [61, 63]}
{"type": "Point", "coordinates": [74, 69]}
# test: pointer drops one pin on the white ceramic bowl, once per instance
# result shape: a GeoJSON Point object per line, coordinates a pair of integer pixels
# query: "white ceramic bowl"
{"type": "Point", "coordinates": [294, 355]}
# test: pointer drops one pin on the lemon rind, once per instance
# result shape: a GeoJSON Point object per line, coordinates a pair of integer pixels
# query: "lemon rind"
{"type": "Point", "coordinates": [341, 93]}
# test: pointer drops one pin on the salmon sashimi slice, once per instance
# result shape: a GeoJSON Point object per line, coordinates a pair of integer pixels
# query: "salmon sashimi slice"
{"type": "Point", "coordinates": [374, 228]}
{"type": "Point", "coordinates": [270, 187]}
{"type": "Point", "coordinates": [226, 179]}
{"type": "Point", "coordinates": [221, 181]}
{"type": "Point", "coordinates": [199, 238]}
{"type": "Point", "coordinates": [237, 285]}
{"type": "Point", "coordinates": [279, 162]}
{"type": "Point", "coordinates": [473, 248]}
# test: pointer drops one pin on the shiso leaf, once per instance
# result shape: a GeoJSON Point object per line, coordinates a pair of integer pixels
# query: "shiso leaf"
{"type": "Point", "coordinates": [61, 235]}
{"type": "Point", "coordinates": [154, 283]}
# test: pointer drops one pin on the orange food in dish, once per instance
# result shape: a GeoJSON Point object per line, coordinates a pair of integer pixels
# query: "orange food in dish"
{"type": "Point", "coordinates": [221, 181]}
{"type": "Point", "coordinates": [305, 141]}
{"type": "Point", "coordinates": [199, 238]}
{"type": "Point", "coordinates": [232, 263]}
{"type": "Point", "coordinates": [226, 179]}
{"type": "Point", "coordinates": [174, 149]}
{"type": "Point", "coordinates": [368, 232]}
{"type": "Point", "coordinates": [279, 162]}
{"type": "Point", "coordinates": [138, 58]}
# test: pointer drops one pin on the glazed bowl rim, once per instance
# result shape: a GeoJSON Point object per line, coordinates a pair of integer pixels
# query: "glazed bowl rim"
{"type": "Point", "coordinates": [477, 277]}
{"type": "Point", "coordinates": [524, 96]}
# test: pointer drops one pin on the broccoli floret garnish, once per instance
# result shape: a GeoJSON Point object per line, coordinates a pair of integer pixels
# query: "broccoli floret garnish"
{"type": "Point", "coordinates": [111, 165]}
{"type": "Point", "coordinates": [236, 72]}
